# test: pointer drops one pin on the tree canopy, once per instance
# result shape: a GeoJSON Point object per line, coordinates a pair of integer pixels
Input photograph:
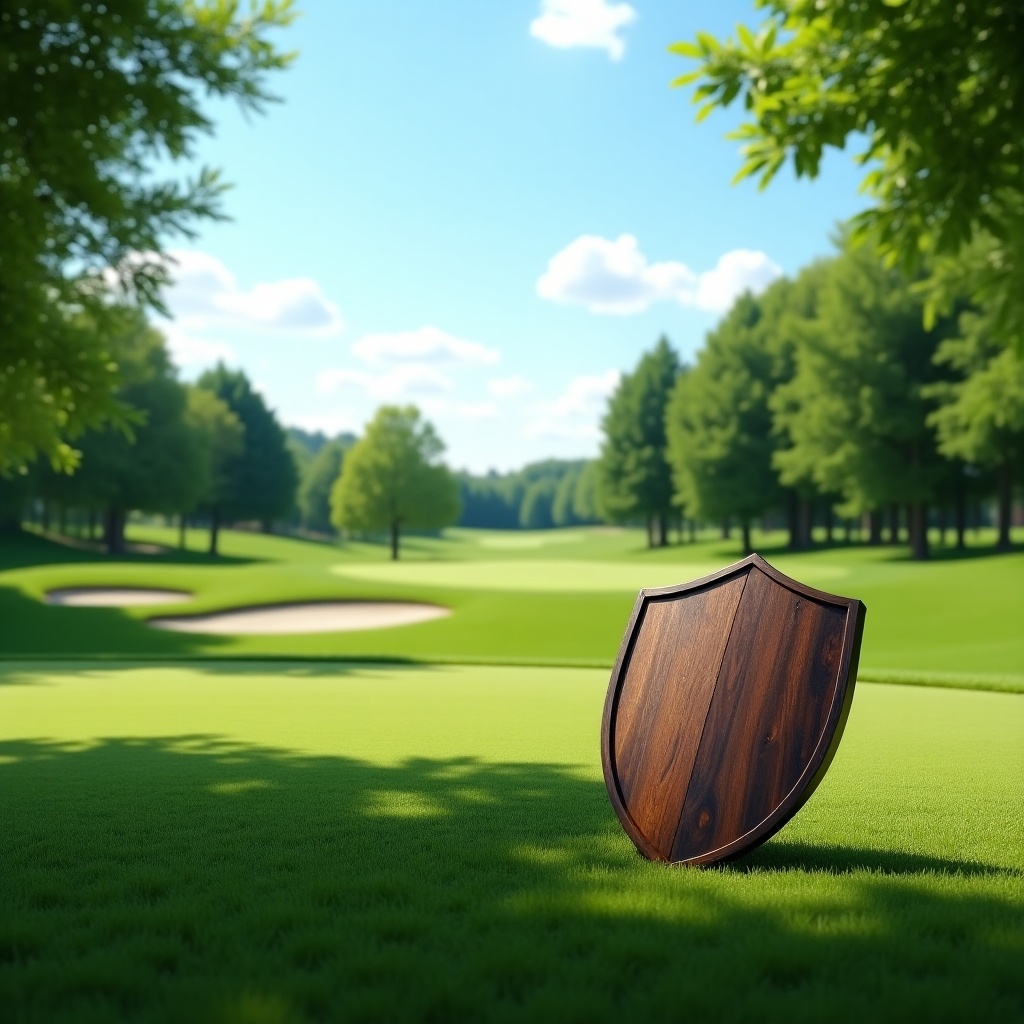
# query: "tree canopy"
{"type": "Point", "coordinates": [96, 98]}
{"type": "Point", "coordinates": [222, 440]}
{"type": "Point", "coordinates": [260, 480]}
{"type": "Point", "coordinates": [936, 93]}
{"type": "Point", "coordinates": [158, 465]}
{"type": "Point", "coordinates": [392, 478]}
{"type": "Point", "coordinates": [633, 474]}
{"type": "Point", "coordinates": [720, 440]}
{"type": "Point", "coordinates": [980, 416]}
{"type": "Point", "coordinates": [854, 414]}
{"type": "Point", "coordinates": [317, 483]}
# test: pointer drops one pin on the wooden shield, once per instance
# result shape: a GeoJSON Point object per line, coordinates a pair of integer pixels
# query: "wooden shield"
{"type": "Point", "coordinates": [725, 708]}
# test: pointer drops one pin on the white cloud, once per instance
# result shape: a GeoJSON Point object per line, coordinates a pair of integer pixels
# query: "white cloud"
{"type": "Point", "coordinates": [576, 413]}
{"type": "Point", "coordinates": [591, 23]}
{"type": "Point", "coordinates": [188, 350]}
{"type": "Point", "coordinates": [509, 387]}
{"type": "Point", "coordinates": [204, 293]}
{"type": "Point", "coordinates": [615, 277]}
{"type": "Point", "coordinates": [402, 381]}
{"type": "Point", "coordinates": [612, 277]}
{"type": "Point", "coordinates": [429, 343]}
{"type": "Point", "coordinates": [472, 411]}
{"type": "Point", "coordinates": [736, 272]}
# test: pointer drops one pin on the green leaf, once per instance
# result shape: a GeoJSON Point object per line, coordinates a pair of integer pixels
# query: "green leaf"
{"type": "Point", "coordinates": [686, 50]}
{"type": "Point", "coordinates": [705, 111]}
{"type": "Point", "coordinates": [747, 38]}
{"type": "Point", "coordinates": [708, 43]}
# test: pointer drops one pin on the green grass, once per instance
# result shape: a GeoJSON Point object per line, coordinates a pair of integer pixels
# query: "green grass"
{"type": "Point", "coordinates": [558, 597]}
{"type": "Point", "coordinates": [247, 843]}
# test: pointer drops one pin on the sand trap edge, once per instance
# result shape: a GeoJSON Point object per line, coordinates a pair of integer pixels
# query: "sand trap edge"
{"type": "Point", "coordinates": [295, 617]}
{"type": "Point", "coordinates": [113, 597]}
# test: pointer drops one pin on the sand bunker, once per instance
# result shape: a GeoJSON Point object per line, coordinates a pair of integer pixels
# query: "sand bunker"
{"type": "Point", "coordinates": [311, 617]}
{"type": "Point", "coordinates": [114, 597]}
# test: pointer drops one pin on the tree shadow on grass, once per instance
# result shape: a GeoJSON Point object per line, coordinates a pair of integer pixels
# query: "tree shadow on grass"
{"type": "Point", "coordinates": [783, 855]}
{"type": "Point", "coordinates": [23, 550]}
{"type": "Point", "coordinates": [195, 878]}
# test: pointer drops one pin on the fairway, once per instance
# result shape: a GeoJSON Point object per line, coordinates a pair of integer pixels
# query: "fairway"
{"type": "Point", "coordinates": [556, 597]}
{"type": "Point", "coordinates": [241, 843]}
{"type": "Point", "coordinates": [562, 575]}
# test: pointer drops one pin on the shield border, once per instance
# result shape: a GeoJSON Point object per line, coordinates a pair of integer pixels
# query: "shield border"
{"type": "Point", "coordinates": [824, 752]}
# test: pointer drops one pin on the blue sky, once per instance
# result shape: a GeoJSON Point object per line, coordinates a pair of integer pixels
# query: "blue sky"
{"type": "Point", "coordinates": [488, 210]}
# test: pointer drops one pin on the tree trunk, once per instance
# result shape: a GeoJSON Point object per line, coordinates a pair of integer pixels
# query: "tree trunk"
{"type": "Point", "coordinates": [1004, 504]}
{"type": "Point", "coordinates": [726, 528]}
{"type": "Point", "coordinates": [804, 519]}
{"type": "Point", "coordinates": [960, 515]}
{"type": "Point", "coordinates": [662, 529]}
{"type": "Point", "coordinates": [917, 521]}
{"type": "Point", "coordinates": [214, 530]}
{"type": "Point", "coordinates": [181, 531]}
{"type": "Point", "coordinates": [394, 540]}
{"type": "Point", "coordinates": [829, 522]}
{"type": "Point", "coordinates": [745, 528]}
{"type": "Point", "coordinates": [894, 523]}
{"type": "Point", "coordinates": [113, 531]}
{"type": "Point", "coordinates": [792, 521]}
{"type": "Point", "coordinates": [943, 524]}
{"type": "Point", "coordinates": [874, 528]}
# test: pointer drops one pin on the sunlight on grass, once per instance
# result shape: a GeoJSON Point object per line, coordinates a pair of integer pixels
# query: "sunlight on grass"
{"type": "Point", "coordinates": [556, 604]}
{"type": "Point", "coordinates": [551, 574]}
{"type": "Point", "coordinates": [212, 842]}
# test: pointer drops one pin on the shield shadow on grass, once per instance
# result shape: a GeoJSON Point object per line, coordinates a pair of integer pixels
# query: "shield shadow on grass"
{"type": "Point", "coordinates": [193, 877]}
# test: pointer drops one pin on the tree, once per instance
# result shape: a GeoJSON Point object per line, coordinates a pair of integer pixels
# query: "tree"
{"type": "Point", "coordinates": [720, 440]}
{"type": "Point", "coordinates": [491, 501]}
{"type": "Point", "coordinates": [634, 477]}
{"type": "Point", "coordinates": [96, 97]}
{"type": "Point", "coordinates": [157, 465]}
{"type": "Point", "coordinates": [222, 440]}
{"type": "Point", "coordinates": [317, 483]}
{"type": "Point", "coordinates": [392, 479]}
{"type": "Point", "coordinates": [562, 513]}
{"type": "Point", "coordinates": [980, 418]}
{"type": "Point", "coordinates": [536, 511]}
{"type": "Point", "coordinates": [855, 413]}
{"type": "Point", "coordinates": [261, 480]}
{"type": "Point", "coordinates": [584, 497]}
{"type": "Point", "coordinates": [935, 90]}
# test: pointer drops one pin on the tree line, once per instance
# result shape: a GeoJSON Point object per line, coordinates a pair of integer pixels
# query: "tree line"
{"type": "Point", "coordinates": [828, 392]}
{"type": "Point", "coordinates": [211, 450]}
{"type": "Point", "coordinates": [540, 495]}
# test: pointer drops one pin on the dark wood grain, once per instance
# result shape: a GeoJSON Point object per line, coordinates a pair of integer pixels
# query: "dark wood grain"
{"type": "Point", "coordinates": [725, 708]}
{"type": "Point", "coordinates": [663, 702]}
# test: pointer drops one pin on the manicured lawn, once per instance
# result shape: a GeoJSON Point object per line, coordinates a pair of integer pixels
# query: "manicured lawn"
{"type": "Point", "coordinates": [302, 842]}
{"type": "Point", "coordinates": [554, 597]}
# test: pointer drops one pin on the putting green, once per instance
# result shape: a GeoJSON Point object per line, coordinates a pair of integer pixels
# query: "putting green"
{"type": "Point", "coordinates": [549, 574]}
